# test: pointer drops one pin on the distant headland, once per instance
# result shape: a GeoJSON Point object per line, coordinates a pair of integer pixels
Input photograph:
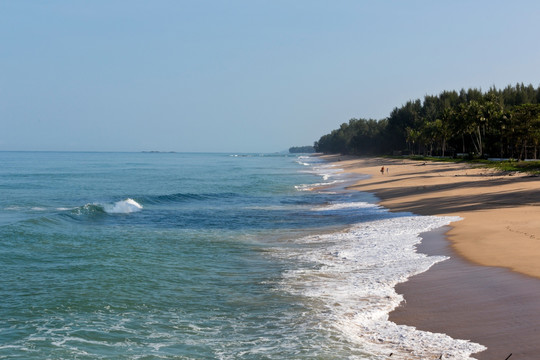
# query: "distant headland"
{"type": "Point", "coordinates": [302, 149]}
{"type": "Point", "coordinates": [159, 152]}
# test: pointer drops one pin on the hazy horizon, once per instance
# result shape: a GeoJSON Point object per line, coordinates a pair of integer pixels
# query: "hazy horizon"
{"type": "Point", "coordinates": [286, 151]}
{"type": "Point", "coordinates": [241, 76]}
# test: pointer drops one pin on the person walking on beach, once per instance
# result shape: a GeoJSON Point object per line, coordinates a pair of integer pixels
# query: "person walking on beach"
{"type": "Point", "coordinates": [382, 170]}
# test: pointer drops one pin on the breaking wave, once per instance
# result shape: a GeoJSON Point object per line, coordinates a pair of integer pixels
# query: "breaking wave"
{"type": "Point", "coordinates": [126, 206]}
{"type": "Point", "coordinates": [123, 207]}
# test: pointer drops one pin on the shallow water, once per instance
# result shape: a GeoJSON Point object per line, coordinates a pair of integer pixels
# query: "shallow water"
{"type": "Point", "coordinates": [191, 256]}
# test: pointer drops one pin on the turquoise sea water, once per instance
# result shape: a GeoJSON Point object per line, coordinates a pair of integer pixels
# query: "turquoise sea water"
{"type": "Point", "coordinates": [198, 256]}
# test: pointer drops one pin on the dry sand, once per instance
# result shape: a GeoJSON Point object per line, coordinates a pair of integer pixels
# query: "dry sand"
{"type": "Point", "coordinates": [500, 229]}
{"type": "Point", "coordinates": [501, 212]}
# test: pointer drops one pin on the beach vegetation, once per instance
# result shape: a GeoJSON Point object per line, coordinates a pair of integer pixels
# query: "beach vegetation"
{"type": "Point", "coordinates": [504, 165]}
{"type": "Point", "coordinates": [513, 165]}
{"type": "Point", "coordinates": [473, 124]}
{"type": "Point", "coordinates": [302, 149]}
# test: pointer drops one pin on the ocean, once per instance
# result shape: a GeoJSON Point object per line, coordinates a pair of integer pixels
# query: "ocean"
{"type": "Point", "coordinates": [203, 256]}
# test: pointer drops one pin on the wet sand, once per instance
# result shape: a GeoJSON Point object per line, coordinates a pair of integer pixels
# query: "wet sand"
{"type": "Point", "coordinates": [497, 304]}
{"type": "Point", "coordinates": [492, 306]}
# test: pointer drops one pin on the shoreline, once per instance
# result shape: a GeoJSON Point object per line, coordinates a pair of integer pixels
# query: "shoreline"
{"type": "Point", "coordinates": [501, 212]}
{"type": "Point", "coordinates": [487, 305]}
{"type": "Point", "coordinates": [496, 304]}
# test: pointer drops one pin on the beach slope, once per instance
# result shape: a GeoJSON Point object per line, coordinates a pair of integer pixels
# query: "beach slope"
{"type": "Point", "coordinates": [494, 304]}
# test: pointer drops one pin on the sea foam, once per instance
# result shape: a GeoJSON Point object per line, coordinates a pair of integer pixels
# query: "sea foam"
{"type": "Point", "coordinates": [354, 272]}
{"type": "Point", "coordinates": [350, 276]}
{"type": "Point", "coordinates": [123, 207]}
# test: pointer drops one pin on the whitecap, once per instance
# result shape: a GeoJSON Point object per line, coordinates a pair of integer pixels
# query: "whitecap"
{"type": "Point", "coordinates": [123, 207]}
{"type": "Point", "coordinates": [13, 208]}
{"type": "Point", "coordinates": [357, 205]}
{"type": "Point", "coordinates": [310, 187]}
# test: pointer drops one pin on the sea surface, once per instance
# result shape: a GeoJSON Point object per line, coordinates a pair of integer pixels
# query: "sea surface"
{"type": "Point", "coordinates": [203, 256]}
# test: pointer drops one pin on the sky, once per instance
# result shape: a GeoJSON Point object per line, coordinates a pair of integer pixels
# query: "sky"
{"type": "Point", "coordinates": [241, 75]}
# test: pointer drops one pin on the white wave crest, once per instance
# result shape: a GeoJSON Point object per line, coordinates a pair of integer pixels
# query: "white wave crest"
{"type": "Point", "coordinates": [352, 277]}
{"type": "Point", "coordinates": [123, 207]}
{"type": "Point", "coordinates": [310, 187]}
{"type": "Point", "coordinates": [349, 206]}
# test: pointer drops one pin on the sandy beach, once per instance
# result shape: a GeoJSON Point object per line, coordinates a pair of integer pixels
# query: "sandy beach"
{"type": "Point", "coordinates": [495, 304]}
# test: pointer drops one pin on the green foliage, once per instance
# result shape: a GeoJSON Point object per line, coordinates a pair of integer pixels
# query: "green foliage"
{"type": "Point", "coordinates": [301, 149]}
{"type": "Point", "coordinates": [498, 123]}
{"type": "Point", "coordinates": [532, 167]}
{"type": "Point", "coordinates": [358, 136]}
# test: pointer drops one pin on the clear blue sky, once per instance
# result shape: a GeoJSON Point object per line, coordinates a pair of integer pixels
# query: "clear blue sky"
{"type": "Point", "coordinates": [241, 75]}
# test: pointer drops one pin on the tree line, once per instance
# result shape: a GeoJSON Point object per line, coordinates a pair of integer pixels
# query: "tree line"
{"type": "Point", "coordinates": [301, 149]}
{"type": "Point", "coordinates": [503, 123]}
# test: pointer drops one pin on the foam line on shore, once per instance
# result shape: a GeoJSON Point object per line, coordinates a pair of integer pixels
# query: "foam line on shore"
{"type": "Point", "coordinates": [490, 305]}
{"type": "Point", "coordinates": [354, 272]}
